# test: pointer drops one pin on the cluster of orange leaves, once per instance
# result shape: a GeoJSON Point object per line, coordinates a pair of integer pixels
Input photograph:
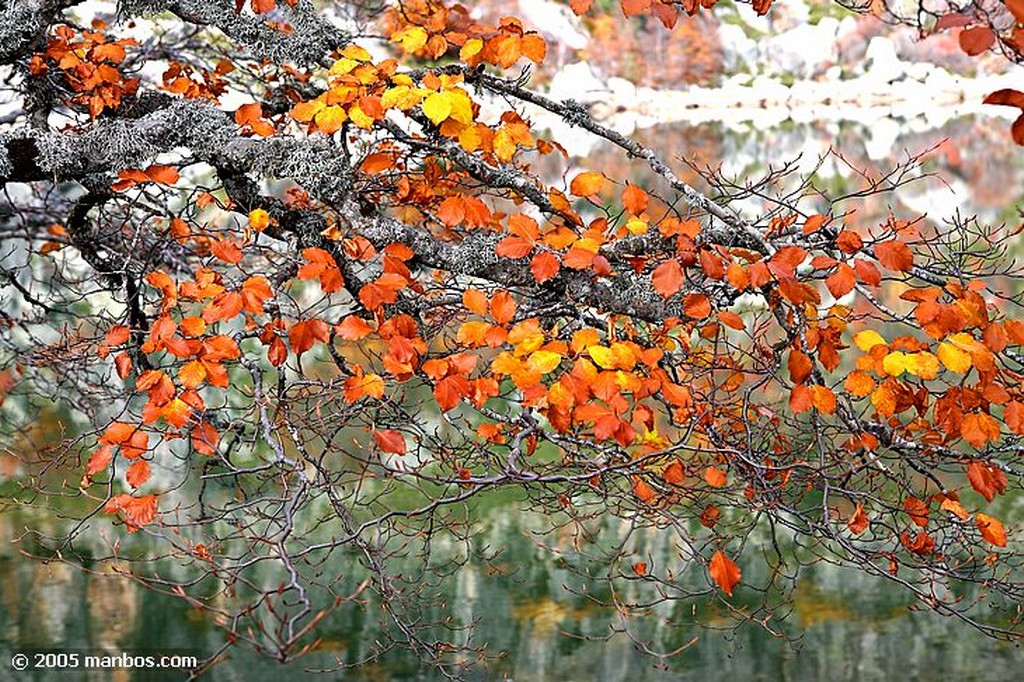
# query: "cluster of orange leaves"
{"type": "Point", "coordinates": [428, 30]}
{"type": "Point", "coordinates": [89, 62]}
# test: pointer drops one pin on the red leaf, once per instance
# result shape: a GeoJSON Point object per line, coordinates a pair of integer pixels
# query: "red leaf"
{"type": "Point", "coordinates": [724, 572]}
{"type": "Point", "coordinates": [390, 441]}
{"type": "Point", "coordinates": [667, 278]}
{"type": "Point", "coordinates": [894, 255]}
{"type": "Point", "coordinates": [544, 266]}
{"type": "Point", "coordinates": [976, 39]}
{"type": "Point", "coordinates": [697, 306]}
{"type": "Point", "coordinates": [137, 473]}
{"type": "Point", "coordinates": [859, 522]}
{"type": "Point", "coordinates": [1007, 97]}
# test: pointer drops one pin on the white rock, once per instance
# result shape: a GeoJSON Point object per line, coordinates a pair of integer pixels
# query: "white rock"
{"type": "Point", "coordinates": [882, 62]}
{"type": "Point", "coordinates": [578, 81]}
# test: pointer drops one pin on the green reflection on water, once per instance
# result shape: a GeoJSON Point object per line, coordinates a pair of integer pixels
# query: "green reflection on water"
{"type": "Point", "coordinates": [853, 628]}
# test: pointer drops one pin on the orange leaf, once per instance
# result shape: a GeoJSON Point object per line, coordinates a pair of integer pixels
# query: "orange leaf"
{"type": "Point", "coordinates": [137, 473]}
{"type": "Point", "coordinates": [859, 522]}
{"type": "Point", "coordinates": [390, 441]}
{"type": "Point", "coordinates": [894, 255]}
{"type": "Point", "coordinates": [724, 572]}
{"type": "Point", "coordinates": [503, 307]}
{"type": "Point", "coordinates": [640, 568]}
{"type": "Point", "coordinates": [475, 301]}
{"type": "Point", "coordinates": [814, 223]}
{"type": "Point", "coordinates": [697, 306]}
{"type": "Point", "coordinates": [205, 438]}
{"type": "Point", "coordinates": [716, 477]}
{"type": "Point", "coordinates": [544, 266]}
{"type": "Point", "coordinates": [353, 328]}
{"type": "Point", "coordinates": [800, 366]}
{"type": "Point", "coordinates": [117, 433]}
{"type": "Point", "coordinates": [192, 374]}
{"type": "Point", "coordinates": [99, 460]}
{"type": "Point", "coordinates": [731, 319]}
{"type": "Point", "coordinates": [917, 510]}
{"type": "Point", "coordinates": [667, 278]}
{"type": "Point", "coordinates": [586, 184]}
{"type": "Point", "coordinates": [643, 491]}
{"type": "Point", "coordinates": [304, 334]}
{"type": "Point", "coordinates": [634, 199]}
{"type": "Point", "coordinates": [164, 175]}
{"type": "Point", "coordinates": [674, 473]}
{"type": "Point", "coordinates": [991, 529]}
{"type": "Point", "coordinates": [986, 479]}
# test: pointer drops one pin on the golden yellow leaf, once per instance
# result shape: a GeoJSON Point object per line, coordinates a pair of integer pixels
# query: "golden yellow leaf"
{"type": "Point", "coordinates": [955, 359]}
{"type": "Point", "coordinates": [868, 339]}
{"type": "Point", "coordinates": [437, 107]}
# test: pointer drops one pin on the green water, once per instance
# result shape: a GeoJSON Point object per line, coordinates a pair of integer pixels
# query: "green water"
{"type": "Point", "coordinates": [841, 626]}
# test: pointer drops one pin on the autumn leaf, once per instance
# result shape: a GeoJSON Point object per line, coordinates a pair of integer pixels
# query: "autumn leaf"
{"type": "Point", "coordinates": [986, 479]}
{"type": "Point", "coordinates": [389, 440]}
{"type": "Point", "coordinates": [99, 460]}
{"type": "Point", "coordinates": [917, 510]}
{"type": "Point", "coordinates": [976, 39]}
{"type": "Point", "coordinates": [894, 255]}
{"type": "Point", "coordinates": [715, 477]}
{"type": "Point", "coordinates": [991, 529]}
{"type": "Point", "coordinates": [696, 306]}
{"type": "Point", "coordinates": [544, 266]}
{"type": "Point", "coordinates": [667, 278]}
{"type": "Point", "coordinates": [868, 339]}
{"type": "Point", "coordinates": [304, 334]}
{"type": "Point", "coordinates": [642, 490]}
{"type": "Point", "coordinates": [586, 184]}
{"type": "Point", "coordinates": [724, 572]}
{"type": "Point", "coordinates": [138, 473]}
{"type": "Point", "coordinates": [858, 522]}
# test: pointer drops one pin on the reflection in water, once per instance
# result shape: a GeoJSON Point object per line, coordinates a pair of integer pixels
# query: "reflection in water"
{"type": "Point", "coordinates": [845, 626]}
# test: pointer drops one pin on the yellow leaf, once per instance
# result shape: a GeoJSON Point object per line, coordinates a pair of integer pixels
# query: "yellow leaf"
{"type": "Point", "coordinates": [359, 117]}
{"type": "Point", "coordinates": [461, 104]}
{"type": "Point", "coordinates": [604, 357]}
{"type": "Point", "coordinates": [544, 361]}
{"type": "Point", "coordinates": [636, 225]}
{"type": "Point", "coordinates": [330, 119]}
{"type": "Point", "coordinates": [471, 49]}
{"type": "Point", "coordinates": [868, 339]}
{"type": "Point", "coordinates": [954, 359]}
{"type": "Point", "coordinates": [402, 97]}
{"type": "Point", "coordinates": [353, 51]}
{"type": "Point", "coordinates": [895, 363]}
{"type": "Point", "coordinates": [342, 66]}
{"type": "Point", "coordinates": [437, 107]}
{"type": "Point", "coordinates": [504, 145]}
{"type": "Point", "coordinates": [259, 219]}
{"type": "Point", "coordinates": [413, 38]}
